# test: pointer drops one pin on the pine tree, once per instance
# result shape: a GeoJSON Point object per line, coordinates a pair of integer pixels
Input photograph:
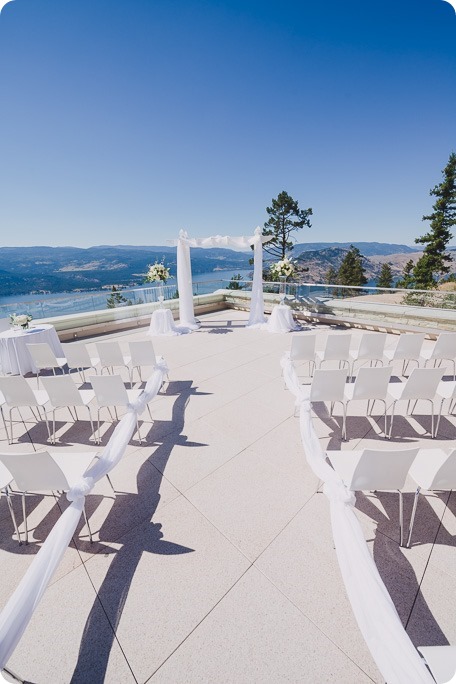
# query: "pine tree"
{"type": "Point", "coordinates": [407, 281]}
{"type": "Point", "coordinates": [351, 271]}
{"type": "Point", "coordinates": [434, 263]}
{"type": "Point", "coordinates": [115, 299]}
{"type": "Point", "coordinates": [285, 217]}
{"type": "Point", "coordinates": [331, 276]}
{"type": "Point", "coordinates": [386, 276]}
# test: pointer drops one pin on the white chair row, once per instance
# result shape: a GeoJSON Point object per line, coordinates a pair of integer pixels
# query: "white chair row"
{"type": "Point", "coordinates": [110, 356]}
{"type": "Point", "coordinates": [372, 349]}
{"type": "Point", "coordinates": [373, 384]}
{"type": "Point", "coordinates": [375, 469]}
{"type": "Point", "coordinates": [61, 392]}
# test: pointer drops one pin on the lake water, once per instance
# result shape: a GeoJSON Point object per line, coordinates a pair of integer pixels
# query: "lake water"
{"type": "Point", "coordinates": [59, 303]}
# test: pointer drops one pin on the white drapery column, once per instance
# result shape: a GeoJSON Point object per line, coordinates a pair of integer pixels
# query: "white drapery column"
{"type": "Point", "coordinates": [184, 273]}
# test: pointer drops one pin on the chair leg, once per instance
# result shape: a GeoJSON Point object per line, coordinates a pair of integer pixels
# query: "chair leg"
{"type": "Point", "coordinates": [87, 523]}
{"type": "Point", "coordinates": [412, 519]}
{"type": "Point", "coordinates": [13, 517]}
{"type": "Point", "coordinates": [112, 486]}
{"type": "Point", "coordinates": [90, 418]}
{"type": "Point", "coordinates": [139, 434]}
{"type": "Point", "coordinates": [344, 421]}
{"type": "Point", "coordinates": [12, 676]}
{"type": "Point", "coordinates": [98, 421]}
{"type": "Point", "coordinates": [24, 514]}
{"type": "Point", "coordinates": [401, 518]}
{"type": "Point", "coordinates": [391, 419]}
{"type": "Point", "coordinates": [148, 409]}
{"type": "Point", "coordinates": [11, 426]}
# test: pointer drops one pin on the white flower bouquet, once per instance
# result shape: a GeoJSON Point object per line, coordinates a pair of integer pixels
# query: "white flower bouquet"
{"type": "Point", "coordinates": [157, 272]}
{"type": "Point", "coordinates": [21, 320]}
{"type": "Point", "coordinates": [284, 267]}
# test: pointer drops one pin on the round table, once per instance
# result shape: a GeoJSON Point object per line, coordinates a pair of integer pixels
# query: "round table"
{"type": "Point", "coordinates": [281, 320]}
{"type": "Point", "coordinates": [162, 323]}
{"type": "Point", "coordinates": [14, 355]}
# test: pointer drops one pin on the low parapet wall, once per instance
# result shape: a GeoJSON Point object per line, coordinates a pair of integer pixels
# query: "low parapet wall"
{"type": "Point", "coordinates": [352, 313]}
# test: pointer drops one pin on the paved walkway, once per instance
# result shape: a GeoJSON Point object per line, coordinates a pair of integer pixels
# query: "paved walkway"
{"type": "Point", "coordinates": [215, 561]}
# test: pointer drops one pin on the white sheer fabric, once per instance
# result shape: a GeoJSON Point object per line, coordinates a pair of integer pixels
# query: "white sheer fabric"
{"type": "Point", "coordinates": [20, 607]}
{"type": "Point", "coordinates": [184, 273]}
{"type": "Point", "coordinates": [380, 625]}
{"type": "Point", "coordinates": [281, 320]}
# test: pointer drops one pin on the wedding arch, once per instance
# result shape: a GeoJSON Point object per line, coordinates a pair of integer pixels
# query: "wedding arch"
{"type": "Point", "coordinates": [184, 273]}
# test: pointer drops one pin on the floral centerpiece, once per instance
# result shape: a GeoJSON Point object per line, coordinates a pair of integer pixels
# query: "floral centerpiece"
{"type": "Point", "coordinates": [21, 321]}
{"type": "Point", "coordinates": [285, 267]}
{"type": "Point", "coordinates": [157, 272]}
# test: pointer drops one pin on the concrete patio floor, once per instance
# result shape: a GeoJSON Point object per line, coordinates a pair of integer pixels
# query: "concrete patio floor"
{"type": "Point", "coordinates": [215, 563]}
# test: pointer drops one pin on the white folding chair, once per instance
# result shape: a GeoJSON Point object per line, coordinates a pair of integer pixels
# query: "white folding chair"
{"type": "Point", "coordinates": [408, 348]}
{"type": "Point", "coordinates": [444, 350]}
{"type": "Point", "coordinates": [328, 385]}
{"type": "Point", "coordinates": [441, 661]}
{"type": "Point", "coordinates": [111, 356]}
{"type": "Point", "coordinates": [78, 358]}
{"type": "Point", "coordinates": [375, 469]}
{"type": "Point", "coordinates": [5, 481]}
{"type": "Point", "coordinates": [445, 390]}
{"type": "Point", "coordinates": [110, 392]}
{"type": "Point", "coordinates": [17, 394]}
{"type": "Point", "coordinates": [142, 356]}
{"type": "Point", "coordinates": [371, 348]}
{"type": "Point", "coordinates": [432, 470]}
{"type": "Point", "coordinates": [420, 386]}
{"type": "Point", "coordinates": [63, 393]}
{"type": "Point", "coordinates": [371, 384]}
{"type": "Point", "coordinates": [337, 348]}
{"type": "Point", "coordinates": [43, 357]}
{"type": "Point", "coordinates": [42, 471]}
{"type": "Point", "coordinates": [303, 350]}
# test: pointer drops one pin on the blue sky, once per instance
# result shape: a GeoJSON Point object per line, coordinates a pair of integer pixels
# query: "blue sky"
{"type": "Point", "coordinates": [122, 122]}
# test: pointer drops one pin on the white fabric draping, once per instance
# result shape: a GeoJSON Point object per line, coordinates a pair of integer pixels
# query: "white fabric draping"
{"type": "Point", "coordinates": [162, 323]}
{"type": "Point", "coordinates": [14, 355]}
{"type": "Point", "coordinates": [380, 625]}
{"type": "Point", "coordinates": [184, 273]}
{"type": "Point", "coordinates": [20, 607]}
{"type": "Point", "coordinates": [281, 320]}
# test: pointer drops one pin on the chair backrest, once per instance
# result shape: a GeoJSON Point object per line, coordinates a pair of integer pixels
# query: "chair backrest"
{"type": "Point", "coordinates": [372, 345]}
{"type": "Point", "coordinates": [42, 355]}
{"type": "Point", "coordinates": [337, 347]}
{"type": "Point", "coordinates": [62, 391]}
{"type": "Point", "coordinates": [109, 390]}
{"type": "Point", "coordinates": [422, 383]}
{"type": "Point", "coordinates": [5, 476]}
{"type": "Point", "coordinates": [372, 383]}
{"type": "Point", "coordinates": [445, 346]}
{"type": "Point", "coordinates": [4, 324]}
{"type": "Point", "coordinates": [382, 469]}
{"type": "Point", "coordinates": [435, 470]}
{"type": "Point", "coordinates": [328, 385]}
{"type": "Point", "coordinates": [303, 347]}
{"type": "Point", "coordinates": [77, 355]}
{"type": "Point", "coordinates": [110, 354]}
{"type": "Point", "coordinates": [36, 471]}
{"type": "Point", "coordinates": [409, 346]}
{"type": "Point", "coordinates": [17, 391]}
{"type": "Point", "coordinates": [142, 353]}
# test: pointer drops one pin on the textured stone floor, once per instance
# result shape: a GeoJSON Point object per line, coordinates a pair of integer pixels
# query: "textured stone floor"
{"type": "Point", "coordinates": [215, 563]}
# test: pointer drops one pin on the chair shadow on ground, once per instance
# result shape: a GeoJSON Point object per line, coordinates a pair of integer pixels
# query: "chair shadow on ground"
{"type": "Point", "coordinates": [397, 572]}
{"type": "Point", "coordinates": [134, 510]}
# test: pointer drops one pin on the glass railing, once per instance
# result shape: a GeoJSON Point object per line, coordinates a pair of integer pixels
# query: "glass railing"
{"type": "Point", "coordinates": [313, 297]}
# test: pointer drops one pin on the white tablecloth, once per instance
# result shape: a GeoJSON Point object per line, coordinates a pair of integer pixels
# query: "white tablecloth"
{"type": "Point", "coordinates": [14, 356]}
{"type": "Point", "coordinates": [162, 323]}
{"type": "Point", "coordinates": [281, 320]}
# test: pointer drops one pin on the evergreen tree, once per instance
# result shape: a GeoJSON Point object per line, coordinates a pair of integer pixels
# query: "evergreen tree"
{"type": "Point", "coordinates": [285, 217]}
{"type": "Point", "coordinates": [331, 276]}
{"type": "Point", "coordinates": [386, 276]}
{"type": "Point", "coordinates": [115, 298]}
{"type": "Point", "coordinates": [351, 271]}
{"type": "Point", "coordinates": [407, 281]}
{"type": "Point", "coordinates": [434, 263]}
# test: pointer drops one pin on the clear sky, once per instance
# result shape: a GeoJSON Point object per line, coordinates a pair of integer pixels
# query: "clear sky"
{"type": "Point", "coordinates": [122, 122]}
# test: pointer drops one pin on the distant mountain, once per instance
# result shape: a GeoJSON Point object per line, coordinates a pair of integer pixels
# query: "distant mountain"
{"type": "Point", "coordinates": [366, 248]}
{"type": "Point", "coordinates": [65, 269]}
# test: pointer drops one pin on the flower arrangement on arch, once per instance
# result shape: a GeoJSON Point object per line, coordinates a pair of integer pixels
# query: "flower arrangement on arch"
{"type": "Point", "coordinates": [285, 267]}
{"type": "Point", "coordinates": [21, 320]}
{"type": "Point", "coordinates": [157, 272]}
